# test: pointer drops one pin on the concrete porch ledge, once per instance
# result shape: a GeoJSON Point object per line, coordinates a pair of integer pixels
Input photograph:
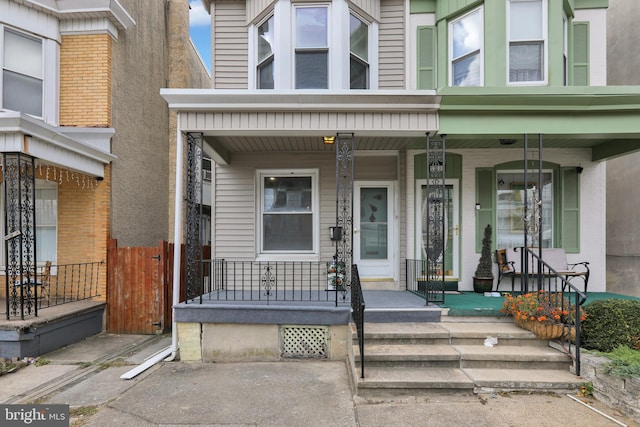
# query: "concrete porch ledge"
{"type": "Point", "coordinates": [293, 312]}
{"type": "Point", "coordinates": [54, 328]}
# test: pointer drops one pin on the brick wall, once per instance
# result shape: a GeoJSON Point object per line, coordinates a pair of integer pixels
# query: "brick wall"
{"type": "Point", "coordinates": [85, 101]}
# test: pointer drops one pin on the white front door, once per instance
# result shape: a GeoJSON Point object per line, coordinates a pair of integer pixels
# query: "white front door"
{"type": "Point", "coordinates": [374, 234]}
{"type": "Point", "coordinates": [452, 228]}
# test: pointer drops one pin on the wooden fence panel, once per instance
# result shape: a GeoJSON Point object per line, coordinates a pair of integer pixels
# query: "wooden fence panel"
{"type": "Point", "coordinates": [136, 292]}
{"type": "Point", "coordinates": [140, 287]}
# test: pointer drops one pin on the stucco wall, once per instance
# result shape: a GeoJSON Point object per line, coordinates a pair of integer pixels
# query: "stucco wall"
{"type": "Point", "coordinates": [140, 118]}
{"type": "Point", "coordinates": [623, 193]}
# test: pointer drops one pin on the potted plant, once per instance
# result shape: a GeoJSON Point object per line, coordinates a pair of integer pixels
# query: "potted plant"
{"type": "Point", "coordinates": [483, 277]}
{"type": "Point", "coordinates": [546, 314]}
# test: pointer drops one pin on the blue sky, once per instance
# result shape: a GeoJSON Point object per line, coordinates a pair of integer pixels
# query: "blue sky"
{"type": "Point", "coordinates": [200, 30]}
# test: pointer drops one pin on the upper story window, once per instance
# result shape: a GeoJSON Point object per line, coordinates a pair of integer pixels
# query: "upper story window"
{"type": "Point", "coordinates": [265, 54]}
{"type": "Point", "coordinates": [359, 53]}
{"type": "Point", "coordinates": [527, 28]}
{"type": "Point", "coordinates": [303, 45]}
{"type": "Point", "coordinates": [312, 47]}
{"type": "Point", "coordinates": [466, 39]}
{"type": "Point", "coordinates": [22, 73]}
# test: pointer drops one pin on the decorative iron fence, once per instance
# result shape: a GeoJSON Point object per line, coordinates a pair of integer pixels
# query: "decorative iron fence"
{"type": "Point", "coordinates": [357, 312]}
{"type": "Point", "coordinates": [418, 281]}
{"type": "Point", "coordinates": [269, 281]}
{"type": "Point", "coordinates": [54, 284]}
{"type": "Point", "coordinates": [539, 276]}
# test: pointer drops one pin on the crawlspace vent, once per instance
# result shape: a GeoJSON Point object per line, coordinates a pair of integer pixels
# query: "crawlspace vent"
{"type": "Point", "coordinates": [304, 341]}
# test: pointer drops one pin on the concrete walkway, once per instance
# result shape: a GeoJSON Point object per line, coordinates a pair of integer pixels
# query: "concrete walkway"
{"type": "Point", "coordinates": [86, 376]}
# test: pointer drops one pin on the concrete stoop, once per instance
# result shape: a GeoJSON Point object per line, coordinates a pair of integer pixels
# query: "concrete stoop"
{"type": "Point", "coordinates": [422, 358]}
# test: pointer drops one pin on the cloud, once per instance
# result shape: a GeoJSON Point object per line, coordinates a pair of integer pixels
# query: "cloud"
{"type": "Point", "coordinates": [198, 16]}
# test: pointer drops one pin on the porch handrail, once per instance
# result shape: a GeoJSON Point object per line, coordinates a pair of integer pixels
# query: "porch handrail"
{"type": "Point", "coordinates": [417, 282]}
{"type": "Point", "coordinates": [357, 312]}
{"type": "Point", "coordinates": [547, 280]}
{"type": "Point", "coordinates": [268, 281]}
{"type": "Point", "coordinates": [54, 284]}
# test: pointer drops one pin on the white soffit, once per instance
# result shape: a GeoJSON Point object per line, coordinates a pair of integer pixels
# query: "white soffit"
{"type": "Point", "coordinates": [79, 149]}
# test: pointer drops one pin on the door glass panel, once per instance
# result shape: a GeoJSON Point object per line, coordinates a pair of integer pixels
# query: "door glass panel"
{"type": "Point", "coordinates": [373, 223]}
{"type": "Point", "coordinates": [449, 224]}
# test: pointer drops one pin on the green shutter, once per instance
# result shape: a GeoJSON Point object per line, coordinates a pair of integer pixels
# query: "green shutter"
{"type": "Point", "coordinates": [570, 209]}
{"type": "Point", "coordinates": [485, 191]}
{"type": "Point", "coordinates": [580, 59]}
{"type": "Point", "coordinates": [426, 57]}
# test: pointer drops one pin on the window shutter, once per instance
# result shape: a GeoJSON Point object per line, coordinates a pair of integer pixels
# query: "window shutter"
{"type": "Point", "coordinates": [485, 190]}
{"type": "Point", "coordinates": [580, 60]}
{"type": "Point", "coordinates": [570, 210]}
{"type": "Point", "coordinates": [426, 57]}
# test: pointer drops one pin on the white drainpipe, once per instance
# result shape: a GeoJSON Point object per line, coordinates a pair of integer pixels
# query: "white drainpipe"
{"type": "Point", "coordinates": [170, 353]}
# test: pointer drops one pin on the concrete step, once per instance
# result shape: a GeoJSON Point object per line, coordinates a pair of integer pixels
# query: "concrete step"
{"type": "Point", "coordinates": [402, 381]}
{"type": "Point", "coordinates": [463, 356]}
{"type": "Point", "coordinates": [512, 357]}
{"type": "Point", "coordinates": [397, 381]}
{"type": "Point", "coordinates": [550, 380]}
{"type": "Point", "coordinates": [408, 355]}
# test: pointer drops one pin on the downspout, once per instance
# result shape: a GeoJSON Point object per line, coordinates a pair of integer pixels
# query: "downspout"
{"type": "Point", "coordinates": [169, 354]}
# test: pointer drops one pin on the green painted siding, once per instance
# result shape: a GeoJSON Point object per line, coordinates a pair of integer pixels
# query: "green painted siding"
{"type": "Point", "coordinates": [450, 8]}
{"type": "Point", "coordinates": [426, 57]}
{"type": "Point", "coordinates": [485, 196]}
{"type": "Point", "coordinates": [555, 44]}
{"type": "Point", "coordinates": [495, 42]}
{"type": "Point", "coordinates": [591, 4]}
{"type": "Point", "coordinates": [422, 6]}
{"type": "Point", "coordinates": [580, 54]}
{"type": "Point", "coordinates": [570, 210]}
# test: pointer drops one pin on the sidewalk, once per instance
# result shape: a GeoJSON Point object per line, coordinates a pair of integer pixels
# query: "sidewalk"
{"type": "Point", "coordinates": [86, 376]}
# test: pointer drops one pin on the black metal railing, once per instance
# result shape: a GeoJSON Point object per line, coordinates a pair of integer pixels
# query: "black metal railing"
{"type": "Point", "coordinates": [53, 285]}
{"type": "Point", "coordinates": [417, 281]}
{"type": "Point", "coordinates": [541, 277]}
{"type": "Point", "coordinates": [269, 281]}
{"type": "Point", "coordinates": [357, 312]}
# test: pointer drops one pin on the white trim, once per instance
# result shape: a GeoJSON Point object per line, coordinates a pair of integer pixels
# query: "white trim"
{"type": "Point", "coordinates": [545, 47]}
{"type": "Point", "coordinates": [314, 252]}
{"type": "Point", "coordinates": [480, 11]}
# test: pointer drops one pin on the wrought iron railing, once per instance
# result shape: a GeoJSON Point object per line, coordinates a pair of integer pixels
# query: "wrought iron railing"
{"type": "Point", "coordinates": [538, 276]}
{"type": "Point", "coordinates": [418, 282]}
{"type": "Point", "coordinates": [357, 312]}
{"type": "Point", "coordinates": [53, 285]}
{"type": "Point", "coordinates": [270, 281]}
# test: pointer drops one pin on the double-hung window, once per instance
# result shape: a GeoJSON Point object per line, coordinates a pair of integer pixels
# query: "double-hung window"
{"type": "Point", "coordinates": [359, 53]}
{"type": "Point", "coordinates": [288, 220]}
{"type": "Point", "coordinates": [527, 41]}
{"type": "Point", "coordinates": [465, 49]}
{"type": "Point", "coordinates": [46, 211]}
{"type": "Point", "coordinates": [311, 47]}
{"type": "Point", "coordinates": [265, 54]}
{"type": "Point", "coordinates": [22, 73]}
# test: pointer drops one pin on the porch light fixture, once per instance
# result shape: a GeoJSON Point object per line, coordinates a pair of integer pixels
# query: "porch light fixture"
{"type": "Point", "coordinates": [504, 141]}
{"type": "Point", "coordinates": [329, 140]}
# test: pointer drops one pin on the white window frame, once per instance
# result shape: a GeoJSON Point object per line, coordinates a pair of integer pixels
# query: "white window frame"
{"type": "Point", "coordinates": [338, 43]}
{"type": "Point", "coordinates": [310, 255]}
{"type": "Point", "coordinates": [40, 184]}
{"type": "Point", "coordinates": [545, 46]}
{"type": "Point", "coordinates": [367, 61]}
{"type": "Point", "coordinates": [533, 179]}
{"type": "Point", "coordinates": [480, 51]}
{"type": "Point", "coordinates": [256, 60]}
{"type": "Point", "coordinates": [50, 73]}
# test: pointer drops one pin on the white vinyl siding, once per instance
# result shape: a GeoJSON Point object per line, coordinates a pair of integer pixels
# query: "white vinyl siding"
{"type": "Point", "coordinates": [392, 45]}
{"type": "Point", "coordinates": [230, 46]}
{"type": "Point", "coordinates": [235, 207]}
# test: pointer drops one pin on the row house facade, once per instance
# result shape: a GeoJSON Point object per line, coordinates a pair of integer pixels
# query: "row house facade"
{"type": "Point", "coordinates": [86, 140]}
{"type": "Point", "coordinates": [482, 75]}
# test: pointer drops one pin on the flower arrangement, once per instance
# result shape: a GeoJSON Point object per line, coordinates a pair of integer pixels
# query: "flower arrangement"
{"type": "Point", "coordinates": [533, 311]}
